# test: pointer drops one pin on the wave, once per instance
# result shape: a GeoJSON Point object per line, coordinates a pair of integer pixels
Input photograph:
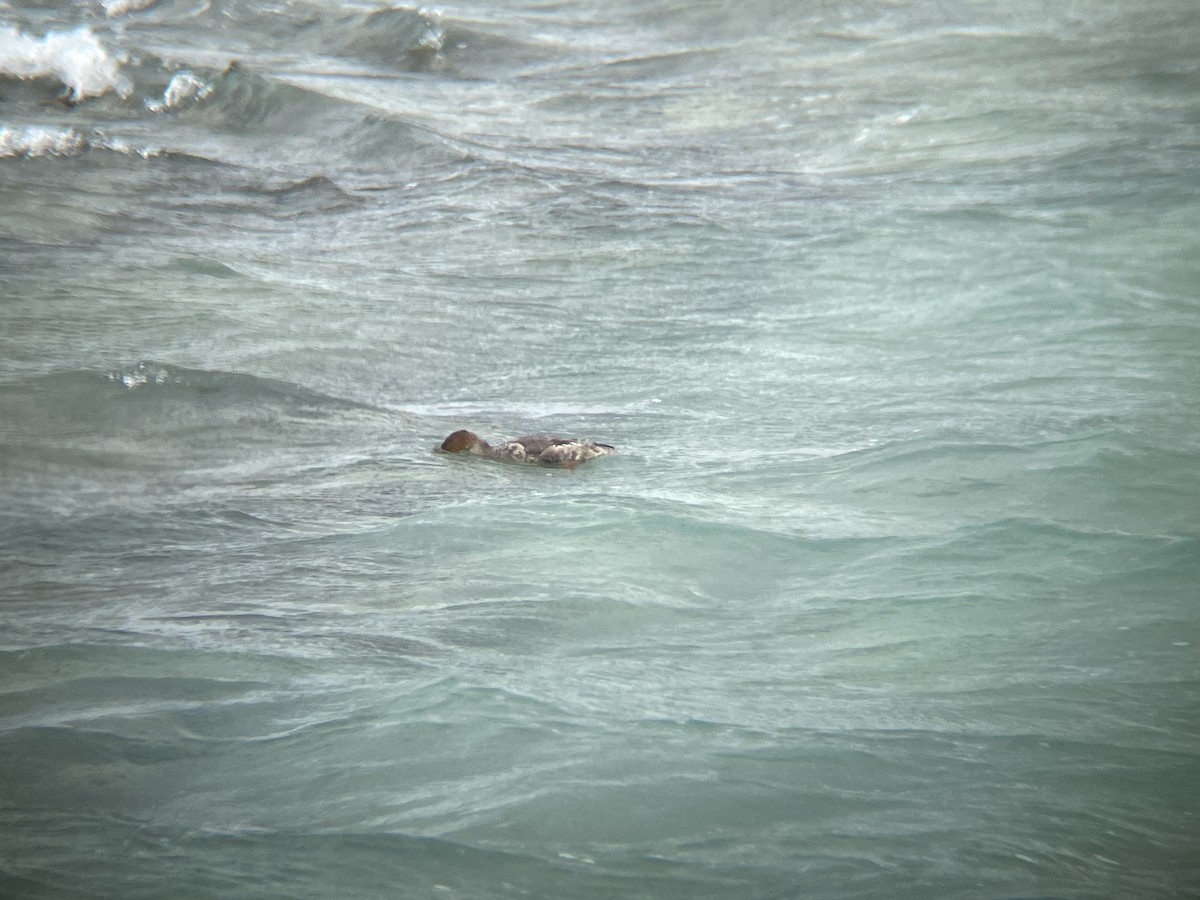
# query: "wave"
{"type": "Point", "coordinates": [183, 88]}
{"type": "Point", "coordinates": [239, 97]}
{"type": "Point", "coordinates": [151, 406]}
{"type": "Point", "coordinates": [41, 140]}
{"type": "Point", "coordinates": [114, 8]}
{"type": "Point", "coordinates": [141, 104]}
{"type": "Point", "coordinates": [394, 37]}
{"type": "Point", "coordinates": [148, 378]}
{"type": "Point", "coordinates": [150, 383]}
{"type": "Point", "coordinates": [75, 59]}
{"type": "Point", "coordinates": [263, 861]}
{"type": "Point", "coordinates": [83, 66]}
{"type": "Point", "coordinates": [235, 86]}
{"type": "Point", "coordinates": [55, 141]}
{"type": "Point", "coordinates": [90, 61]}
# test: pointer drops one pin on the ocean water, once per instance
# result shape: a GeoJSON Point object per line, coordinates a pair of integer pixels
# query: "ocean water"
{"type": "Point", "coordinates": [892, 308]}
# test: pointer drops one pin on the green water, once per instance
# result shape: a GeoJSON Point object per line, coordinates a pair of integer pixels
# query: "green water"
{"type": "Point", "coordinates": [891, 311]}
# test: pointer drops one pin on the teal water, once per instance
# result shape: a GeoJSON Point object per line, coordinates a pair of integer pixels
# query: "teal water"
{"type": "Point", "coordinates": [891, 309]}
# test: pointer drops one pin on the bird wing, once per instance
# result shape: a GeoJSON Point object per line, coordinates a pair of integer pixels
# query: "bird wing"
{"type": "Point", "coordinates": [537, 444]}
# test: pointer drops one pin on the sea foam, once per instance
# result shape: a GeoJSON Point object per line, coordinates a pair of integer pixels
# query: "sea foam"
{"type": "Point", "coordinates": [35, 140]}
{"type": "Point", "coordinates": [183, 88]}
{"type": "Point", "coordinates": [76, 58]}
{"type": "Point", "coordinates": [120, 7]}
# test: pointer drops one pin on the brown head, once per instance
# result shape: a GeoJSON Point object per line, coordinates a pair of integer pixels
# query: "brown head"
{"type": "Point", "coordinates": [460, 441]}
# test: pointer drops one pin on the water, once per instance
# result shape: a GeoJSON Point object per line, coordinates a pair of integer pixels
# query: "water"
{"type": "Point", "coordinates": [890, 307]}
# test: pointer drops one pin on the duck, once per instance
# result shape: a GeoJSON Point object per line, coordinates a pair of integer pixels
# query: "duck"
{"type": "Point", "coordinates": [542, 449]}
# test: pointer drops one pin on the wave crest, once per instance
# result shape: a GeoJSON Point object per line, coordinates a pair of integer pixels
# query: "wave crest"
{"type": "Point", "coordinates": [40, 140]}
{"type": "Point", "coordinates": [33, 141]}
{"type": "Point", "coordinates": [75, 58]}
{"type": "Point", "coordinates": [183, 88]}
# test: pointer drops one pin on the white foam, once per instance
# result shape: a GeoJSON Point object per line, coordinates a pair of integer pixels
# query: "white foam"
{"type": "Point", "coordinates": [44, 140]}
{"type": "Point", "coordinates": [434, 37]}
{"type": "Point", "coordinates": [144, 373]}
{"type": "Point", "coordinates": [76, 58]}
{"type": "Point", "coordinates": [184, 86]}
{"type": "Point", "coordinates": [38, 140]}
{"type": "Point", "coordinates": [120, 7]}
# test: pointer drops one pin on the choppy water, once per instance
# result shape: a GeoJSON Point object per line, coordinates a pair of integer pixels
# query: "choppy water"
{"type": "Point", "coordinates": [892, 309]}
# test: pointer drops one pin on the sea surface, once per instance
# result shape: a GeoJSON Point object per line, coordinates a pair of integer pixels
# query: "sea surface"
{"type": "Point", "coordinates": [892, 309]}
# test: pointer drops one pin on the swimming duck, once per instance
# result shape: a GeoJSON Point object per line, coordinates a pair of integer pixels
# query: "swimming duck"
{"type": "Point", "coordinates": [546, 449]}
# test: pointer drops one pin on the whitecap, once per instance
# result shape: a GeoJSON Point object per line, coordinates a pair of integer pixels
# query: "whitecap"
{"type": "Point", "coordinates": [434, 37]}
{"type": "Point", "coordinates": [40, 140]}
{"type": "Point", "coordinates": [120, 7]}
{"type": "Point", "coordinates": [184, 86]}
{"type": "Point", "coordinates": [33, 141]}
{"type": "Point", "coordinates": [76, 58]}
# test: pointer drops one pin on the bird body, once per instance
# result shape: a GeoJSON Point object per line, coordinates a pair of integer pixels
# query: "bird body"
{"type": "Point", "coordinates": [542, 449]}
